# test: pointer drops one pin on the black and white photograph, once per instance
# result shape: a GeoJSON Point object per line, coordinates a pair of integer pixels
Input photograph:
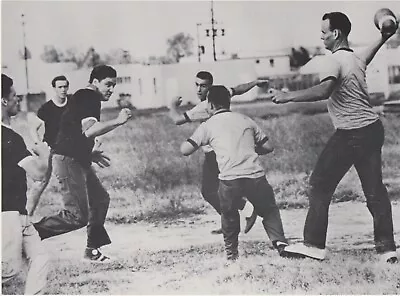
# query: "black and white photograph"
{"type": "Point", "coordinates": [200, 147]}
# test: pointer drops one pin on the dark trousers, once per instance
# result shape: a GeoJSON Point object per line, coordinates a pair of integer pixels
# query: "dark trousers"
{"type": "Point", "coordinates": [85, 203]}
{"type": "Point", "coordinates": [210, 182]}
{"type": "Point", "coordinates": [260, 194]}
{"type": "Point", "coordinates": [361, 148]}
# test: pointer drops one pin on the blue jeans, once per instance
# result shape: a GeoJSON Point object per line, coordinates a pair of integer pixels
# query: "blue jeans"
{"type": "Point", "coordinates": [85, 203]}
{"type": "Point", "coordinates": [361, 148]}
{"type": "Point", "coordinates": [260, 194]}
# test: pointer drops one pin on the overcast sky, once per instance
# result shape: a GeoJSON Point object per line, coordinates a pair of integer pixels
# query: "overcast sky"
{"type": "Point", "coordinates": [142, 27]}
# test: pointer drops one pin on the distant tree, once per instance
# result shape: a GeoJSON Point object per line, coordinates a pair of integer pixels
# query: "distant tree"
{"type": "Point", "coordinates": [118, 56]}
{"type": "Point", "coordinates": [179, 46]}
{"type": "Point", "coordinates": [92, 58]}
{"type": "Point", "coordinates": [26, 55]}
{"type": "Point", "coordinates": [72, 55]}
{"type": "Point", "coordinates": [51, 54]}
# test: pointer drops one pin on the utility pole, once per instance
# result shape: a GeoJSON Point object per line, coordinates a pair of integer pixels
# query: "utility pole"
{"type": "Point", "coordinates": [25, 53]}
{"type": "Point", "coordinates": [198, 43]}
{"type": "Point", "coordinates": [215, 27]}
{"type": "Point", "coordinates": [214, 33]}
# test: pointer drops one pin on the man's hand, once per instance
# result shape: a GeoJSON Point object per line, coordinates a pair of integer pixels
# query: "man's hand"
{"type": "Point", "coordinates": [262, 83]}
{"type": "Point", "coordinates": [41, 149]}
{"type": "Point", "coordinates": [387, 35]}
{"type": "Point", "coordinates": [281, 97]}
{"type": "Point", "coordinates": [176, 102]}
{"type": "Point", "coordinates": [100, 159]}
{"type": "Point", "coordinates": [124, 115]}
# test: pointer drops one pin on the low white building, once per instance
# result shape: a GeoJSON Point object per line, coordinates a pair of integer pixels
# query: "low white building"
{"type": "Point", "coordinates": [153, 86]}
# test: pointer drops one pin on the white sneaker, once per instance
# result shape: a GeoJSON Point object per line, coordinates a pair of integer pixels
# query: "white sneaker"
{"type": "Point", "coordinates": [389, 257]}
{"type": "Point", "coordinates": [301, 251]}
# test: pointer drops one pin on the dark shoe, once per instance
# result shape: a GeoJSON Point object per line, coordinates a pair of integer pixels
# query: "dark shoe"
{"type": "Point", "coordinates": [232, 257]}
{"type": "Point", "coordinates": [94, 255]}
{"type": "Point", "coordinates": [250, 221]}
{"type": "Point", "coordinates": [389, 257]}
{"type": "Point", "coordinates": [280, 247]}
{"type": "Point", "coordinates": [216, 231]}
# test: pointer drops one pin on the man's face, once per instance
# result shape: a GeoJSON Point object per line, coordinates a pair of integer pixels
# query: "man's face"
{"type": "Point", "coordinates": [61, 89]}
{"type": "Point", "coordinates": [105, 87]}
{"type": "Point", "coordinates": [202, 87]}
{"type": "Point", "coordinates": [13, 103]}
{"type": "Point", "coordinates": [327, 35]}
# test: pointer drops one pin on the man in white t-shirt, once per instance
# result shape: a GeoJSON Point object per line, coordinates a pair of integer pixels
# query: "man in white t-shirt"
{"type": "Point", "coordinates": [357, 141]}
{"type": "Point", "coordinates": [199, 113]}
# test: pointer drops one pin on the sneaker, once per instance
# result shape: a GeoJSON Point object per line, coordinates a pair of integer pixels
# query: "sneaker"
{"type": "Point", "coordinates": [94, 255]}
{"type": "Point", "coordinates": [302, 251]}
{"type": "Point", "coordinates": [280, 246]}
{"type": "Point", "coordinates": [216, 231]}
{"type": "Point", "coordinates": [250, 221]}
{"type": "Point", "coordinates": [389, 257]}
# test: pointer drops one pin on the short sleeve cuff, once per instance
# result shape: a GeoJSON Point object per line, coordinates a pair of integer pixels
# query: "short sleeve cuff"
{"type": "Point", "coordinates": [194, 144]}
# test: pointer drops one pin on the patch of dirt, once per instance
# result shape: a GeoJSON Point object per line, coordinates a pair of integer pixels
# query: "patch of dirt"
{"type": "Point", "coordinates": [350, 227]}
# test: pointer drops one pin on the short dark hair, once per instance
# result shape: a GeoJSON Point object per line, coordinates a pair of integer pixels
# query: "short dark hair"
{"type": "Point", "coordinates": [101, 72]}
{"type": "Point", "coordinates": [205, 76]}
{"type": "Point", "coordinates": [219, 96]}
{"type": "Point", "coordinates": [59, 78]}
{"type": "Point", "coordinates": [338, 20]}
{"type": "Point", "coordinates": [6, 84]}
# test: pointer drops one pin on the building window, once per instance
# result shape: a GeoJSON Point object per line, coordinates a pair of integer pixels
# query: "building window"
{"type": "Point", "coordinates": [124, 79]}
{"type": "Point", "coordinates": [272, 62]}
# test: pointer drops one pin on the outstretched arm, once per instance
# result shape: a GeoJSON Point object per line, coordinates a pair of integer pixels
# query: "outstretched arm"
{"type": "Point", "coordinates": [245, 87]}
{"type": "Point", "coordinates": [330, 71]}
{"type": "Point", "coordinates": [92, 128]}
{"type": "Point", "coordinates": [316, 93]}
{"type": "Point", "coordinates": [369, 53]}
{"type": "Point", "coordinates": [196, 114]}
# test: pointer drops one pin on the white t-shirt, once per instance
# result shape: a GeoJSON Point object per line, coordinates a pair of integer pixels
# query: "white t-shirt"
{"type": "Point", "coordinates": [349, 105]}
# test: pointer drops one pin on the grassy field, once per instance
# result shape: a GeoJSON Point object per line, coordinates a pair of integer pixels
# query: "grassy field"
{"type": "Point", "coordinates": [155, 198]}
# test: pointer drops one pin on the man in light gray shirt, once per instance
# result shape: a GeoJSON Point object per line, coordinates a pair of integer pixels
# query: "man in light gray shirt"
{"type": "Point", "coordinates": [357, 141]}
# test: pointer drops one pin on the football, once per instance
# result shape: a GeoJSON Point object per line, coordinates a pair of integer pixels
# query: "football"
{"type": "Point", "coordinates": [385, 20]}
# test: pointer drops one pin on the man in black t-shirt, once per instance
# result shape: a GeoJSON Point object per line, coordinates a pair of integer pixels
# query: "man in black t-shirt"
{"type": "Point", "coordinates": [85, 199]}
{"type": "Point", "coordinates": [18, 234]}
{"type": "Point", "coordinates": [48, 116]}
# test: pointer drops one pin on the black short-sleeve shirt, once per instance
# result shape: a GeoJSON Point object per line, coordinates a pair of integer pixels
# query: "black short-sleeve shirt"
{"type": "Point", "coordinates": [71, 141]}
{"type": "Point", "coordinates": [13, 177]}
{"type": "Point", "coordinates": [50, 114]}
